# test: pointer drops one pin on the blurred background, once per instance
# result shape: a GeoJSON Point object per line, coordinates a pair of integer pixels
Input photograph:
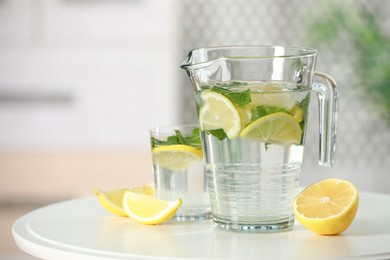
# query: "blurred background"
{"type": "Point", "coordinates": [82, 81]}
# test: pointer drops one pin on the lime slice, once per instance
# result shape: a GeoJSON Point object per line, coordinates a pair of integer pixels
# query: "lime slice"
{"type": "Point", "coordinates": [147, 209]}
{"type": "Point", "coordinates": [218, 112]}
{"type": "Point", "coordinates": [176, 157]}
{"type": "Point", "coordinates": [277, 128]}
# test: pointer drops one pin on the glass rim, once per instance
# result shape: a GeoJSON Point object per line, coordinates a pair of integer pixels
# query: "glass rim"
{"type": "Point", "coordinates": [292, 52]}
{"type": "Point", "coordinates": [168, 129]}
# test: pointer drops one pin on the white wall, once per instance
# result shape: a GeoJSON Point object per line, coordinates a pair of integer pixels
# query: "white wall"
{"type": "Point", "coordinates": [86, 74]}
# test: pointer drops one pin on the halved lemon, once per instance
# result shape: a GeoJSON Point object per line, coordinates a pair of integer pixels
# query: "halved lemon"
{"type": "Point", "coordinates": [112, 200]}
{"type": "Point", "coordinates": [218, 112]}
{"type": "Point", "coordinates": [279, 128]}
{"type": "Point", "coordinates": [327, 207]}
{"type": "Point", "coordinates": [147, 209]}
{"type": "Point", "coordinates": [176, 157]}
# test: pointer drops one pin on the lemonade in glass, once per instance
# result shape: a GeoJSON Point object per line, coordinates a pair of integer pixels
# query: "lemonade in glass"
{"type": "Point", "coordinates": [178, 170]}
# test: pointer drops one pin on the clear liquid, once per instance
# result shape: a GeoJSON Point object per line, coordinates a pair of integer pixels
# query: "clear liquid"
{"type": "Point", "coordinates": [251, 184]}
{"type": "Point", "coordinates": [190, 186]}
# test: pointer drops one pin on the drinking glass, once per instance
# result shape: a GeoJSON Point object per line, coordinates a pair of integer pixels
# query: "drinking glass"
{"type": "Point", "coordinates": [178, 170]}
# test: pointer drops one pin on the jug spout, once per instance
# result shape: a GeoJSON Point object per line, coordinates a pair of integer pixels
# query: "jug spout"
{"type": "Point", "coordinates": [196, 58]}
{"type": "Point", "coordinates": [203, 65]}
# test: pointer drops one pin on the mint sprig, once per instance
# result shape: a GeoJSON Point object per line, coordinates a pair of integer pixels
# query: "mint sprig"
{"type": "Point", "coordinates": [304, 105]}
{"type": "Point", "coordinates": [218, 133]}
{"type": "Point", "coordinates": [261, 111]}
{"type": "Point", "coordinates": [191, 140]}
{"type": "Point", "coordinates": [240, 99]}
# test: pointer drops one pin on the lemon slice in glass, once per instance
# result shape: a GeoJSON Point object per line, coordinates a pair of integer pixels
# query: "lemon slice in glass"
{"type": "Point", "coordinates": [327, 207]}
{"type": "Point", "coordinates": [112, 200]}
{"type": "Point", "coordinates": [272, 95]}
{"type": "Point", "coordinates": [147, 209]}
{"type": "Point", "coordinates": [218, 112]}
{"type": "Point", "coordinates": [297, 113]}
{"type": "Point", "coordinates": [279, 128]}
{"type": "Point", "coordinates": [176, 157]}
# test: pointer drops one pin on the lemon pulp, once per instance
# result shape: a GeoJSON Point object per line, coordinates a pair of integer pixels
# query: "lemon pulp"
{"type": "Point", "coordinates": [176, 157]}
{"type": "Point", "coordinates": [218, 112]}
{"type": "Point", "coordinates": [327, 207]}
{"type": "Point", "coordinates": [112, 200]}
{"type": "Point", "coordinates": [279, 128]}
{"type": "Point", "coordinates": [147, 209]}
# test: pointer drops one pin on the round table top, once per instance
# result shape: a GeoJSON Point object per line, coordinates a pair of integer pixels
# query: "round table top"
{"type": "Point", "coordinates": [82, 229]}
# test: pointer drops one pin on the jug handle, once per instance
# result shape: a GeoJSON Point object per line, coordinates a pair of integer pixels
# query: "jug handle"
{"type": "Point", "coordinates": [328, 96]}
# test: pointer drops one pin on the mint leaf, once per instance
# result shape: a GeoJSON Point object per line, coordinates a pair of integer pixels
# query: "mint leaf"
{"type": "Point", "coordinates": [218, 133]}
{"type": "Point", "coordinates": [179, 138]}
{"type": "Point", "coordinates": [239, 98]}
{"type": "Point", "coordinates": [261, 111]}
{"type": "Point", "coordinates": [304, 106]}
{"type": "Point", "coordinates": [194, 139]}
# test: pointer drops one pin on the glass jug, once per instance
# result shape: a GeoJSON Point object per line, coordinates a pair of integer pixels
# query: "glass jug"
{"type": "Point", "coordinates": [252, 104]}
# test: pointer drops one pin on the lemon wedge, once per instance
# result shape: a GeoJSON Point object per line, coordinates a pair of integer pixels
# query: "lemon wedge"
{"type": "Point", "coordinates": [279, 128]}
{"type": "Point", "coordinates": [327, 207]}
{"type": "Point", "coordinates": [218, 112]}
{"type": "Point", "coordinates": [176, 157]}
{"type": "Point", "coordinates": [147, 209]}
{"type": "Point", "coordinates": [112, 200]}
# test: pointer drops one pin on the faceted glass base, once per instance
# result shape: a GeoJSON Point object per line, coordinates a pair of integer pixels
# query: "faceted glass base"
{"type": "Point", "coordinates": [191, 217]}
{"type": "Point", "coordinates": [254, 227]}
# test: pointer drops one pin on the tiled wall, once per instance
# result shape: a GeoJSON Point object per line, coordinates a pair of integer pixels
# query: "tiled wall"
{"type": "Point", "coordinates": [363, 140]}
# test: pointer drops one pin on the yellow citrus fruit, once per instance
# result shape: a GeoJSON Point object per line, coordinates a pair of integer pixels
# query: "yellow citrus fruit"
{"type": "Point", "coordinates": [279, 128]}
{"type": "Point", "coordinates": [245, 114]}
{"type": "Point", "coordinates": [327, 207]}
{"type": "Point", "coordinates": [176, 157]}
{"type": "Point", "coordinates": [218, 112]}
{"type": "Point", "coordinates": [272, 95]}
{"type": "Point", "coordinates": [147, 209]}
{"type": "Point", "coordinates": [297, 113]}
{"type": "Point", "coordinates": [112, 200]}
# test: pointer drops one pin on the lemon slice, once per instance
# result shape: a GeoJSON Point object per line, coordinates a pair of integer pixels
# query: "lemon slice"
{"type": "Point", "coordinates": [297, 113]}
{"type": "Point", "coordinates": [176, 157]}
{"type": "Point", "coordinates": [279, 128]}
{"type": "Point", "coordinates": [245, 115]}
{"type": "Point", "coordinates": [219, 112]}
{"type": "Point", "coordinates": [147, 209]}
{"type": "Point", "coordinates": [272, 95]}
{"type": "Point", "coordinates": [112, 200]}
{"type": "Point", "coordinates": [327, 207]}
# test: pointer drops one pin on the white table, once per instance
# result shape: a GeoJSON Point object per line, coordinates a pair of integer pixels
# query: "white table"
{"type": "Point", "coordinates": [81, 229]}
